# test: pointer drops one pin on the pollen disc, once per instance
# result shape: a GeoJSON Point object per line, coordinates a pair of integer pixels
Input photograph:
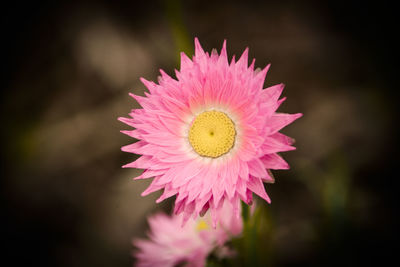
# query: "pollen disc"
{"type": "Point", "coordinates": [212, 134]}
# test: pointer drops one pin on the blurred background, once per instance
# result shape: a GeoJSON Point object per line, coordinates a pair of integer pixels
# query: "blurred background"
{"type": "Point", "coordinates": [68, 68]}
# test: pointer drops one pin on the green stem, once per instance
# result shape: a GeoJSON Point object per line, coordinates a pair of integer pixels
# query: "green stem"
{"type": "Point", "coordinates": [180, 34]}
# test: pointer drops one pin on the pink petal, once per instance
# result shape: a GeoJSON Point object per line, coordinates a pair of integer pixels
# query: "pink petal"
{"type": "Point", "coordinates": [143, 162]}
{"type": "Point", "coordinates": [257, 169]}
{"type": "Point", "coordinates": [186, 63]}
{"type": "Point", "coordinates": [259, 78]}
{"type": "Point", "coordinates": [272, 145]}
{"type": "Point", "coordinates": [244, 170]}
{"type": "Point", "coordinates": [282, 138]}
{"type": "Point", "coordinates": [144, 102]}
{"type": "Point", "coordinates": [209, 180]}
{"type": "Point", "coordinates": [150, 85]}
{"type": "Point", "coordinates": [168, 192]}
{"type": "Point", "coordinates": [272, 93]}
{"type": "Point", "coordinates": [159, 138]}
{"type": "Point", "coordinates": [247, 151]}
{"type": "Point", "coordinates": [275, 162]}
{"type": "Point", "coordinates": [202, 204]}
{"type": "Point", "coordinates": [152, 188]}
{"type": "Point", "coordinates": [243, 60]}
{"type": "Point", "coordinates": [127, 121]}
{"type": "Point", "coordinates": [132, 133]}
{"type": "Point", "coordinates": [199, 52]}
{"type": "Point", "coordinates": [184, 173]}
{"type": "Point", "coordinates": [280, 120]}
{"type": "Point", "coordinates": [223, 58]}
{"type": "Point", "coordinates": [189, 208]}
{"type": "Point", "coordinates": [217, 191]}
{"type": "Point", "coordinates": [241, 189]}
{"type": "Point", "coordinates": [150, 173]}
{"type": "Point", "coordinates": [179, 206]}
{"type": "Point", "coordinates": [257, 186]}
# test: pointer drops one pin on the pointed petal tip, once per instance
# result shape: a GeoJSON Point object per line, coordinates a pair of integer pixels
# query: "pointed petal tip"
{"type": "Point", "coordinates": [134, 96]}
{"type": "Point", "coordinates": [271, 178]}
{"type": "Point", "coordinates": [233, 61]}
{"type": "Point", "coordinates": [253, 62]}
{"type": "Point", "coordinates": [184, 58]}
{"type": "Point", "coordinates": [244, 58]}
{"type": "Point", "coordinates": [266, 198]}
{"type": "Point", "coordinates": [269, 181]}
{"type": "Point", "coordinates": [184, 220]}
{"type": "Point", "coordinates": [149, 190]}
{"type": "Point", "coordinates": [266, 69]}
{"type": "Point", "coordinates": [140, 177]}
{"type": "Point", "coordinates": [223, 49]}
{"type": "Point", "coordinates": [196, 42]}
{"type": "Point", "coordinates": [197, 46]}
{"type": "Point", "coordinates": [297, 116]}
{"type": "Point", "coordinates": [214, 224]}
{"type": "Point", "coordinates": [129, 165]}
{"type": "Point", "coordinates": [280, 101]}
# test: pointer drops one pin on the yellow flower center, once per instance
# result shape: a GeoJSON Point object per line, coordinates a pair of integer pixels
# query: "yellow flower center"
{"type": "Point", "coordinates": [212, 134]}
{"type": "Point", "coordinates": [201, 225]}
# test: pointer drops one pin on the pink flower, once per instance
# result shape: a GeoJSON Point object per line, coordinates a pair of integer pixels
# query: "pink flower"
{"type": "Point", "coordinates": [210, 136]}
{"type": "Point", "coordinates": [170, 244]}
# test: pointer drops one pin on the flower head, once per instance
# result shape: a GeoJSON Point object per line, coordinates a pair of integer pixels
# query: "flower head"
{"type": "Point", "coordinates": [170, 244]}
{"type": "Point", "coordinates": [210, 136]}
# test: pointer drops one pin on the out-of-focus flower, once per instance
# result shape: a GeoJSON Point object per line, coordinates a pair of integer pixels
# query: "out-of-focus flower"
{"type": "Point", "coordinates": [170, 244]}
{"type": "Point", "coordinates": [211, 135]}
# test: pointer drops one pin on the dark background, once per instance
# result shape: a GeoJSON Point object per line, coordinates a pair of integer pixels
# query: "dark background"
{"type": "Point", "coordinates": [67, 68]}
